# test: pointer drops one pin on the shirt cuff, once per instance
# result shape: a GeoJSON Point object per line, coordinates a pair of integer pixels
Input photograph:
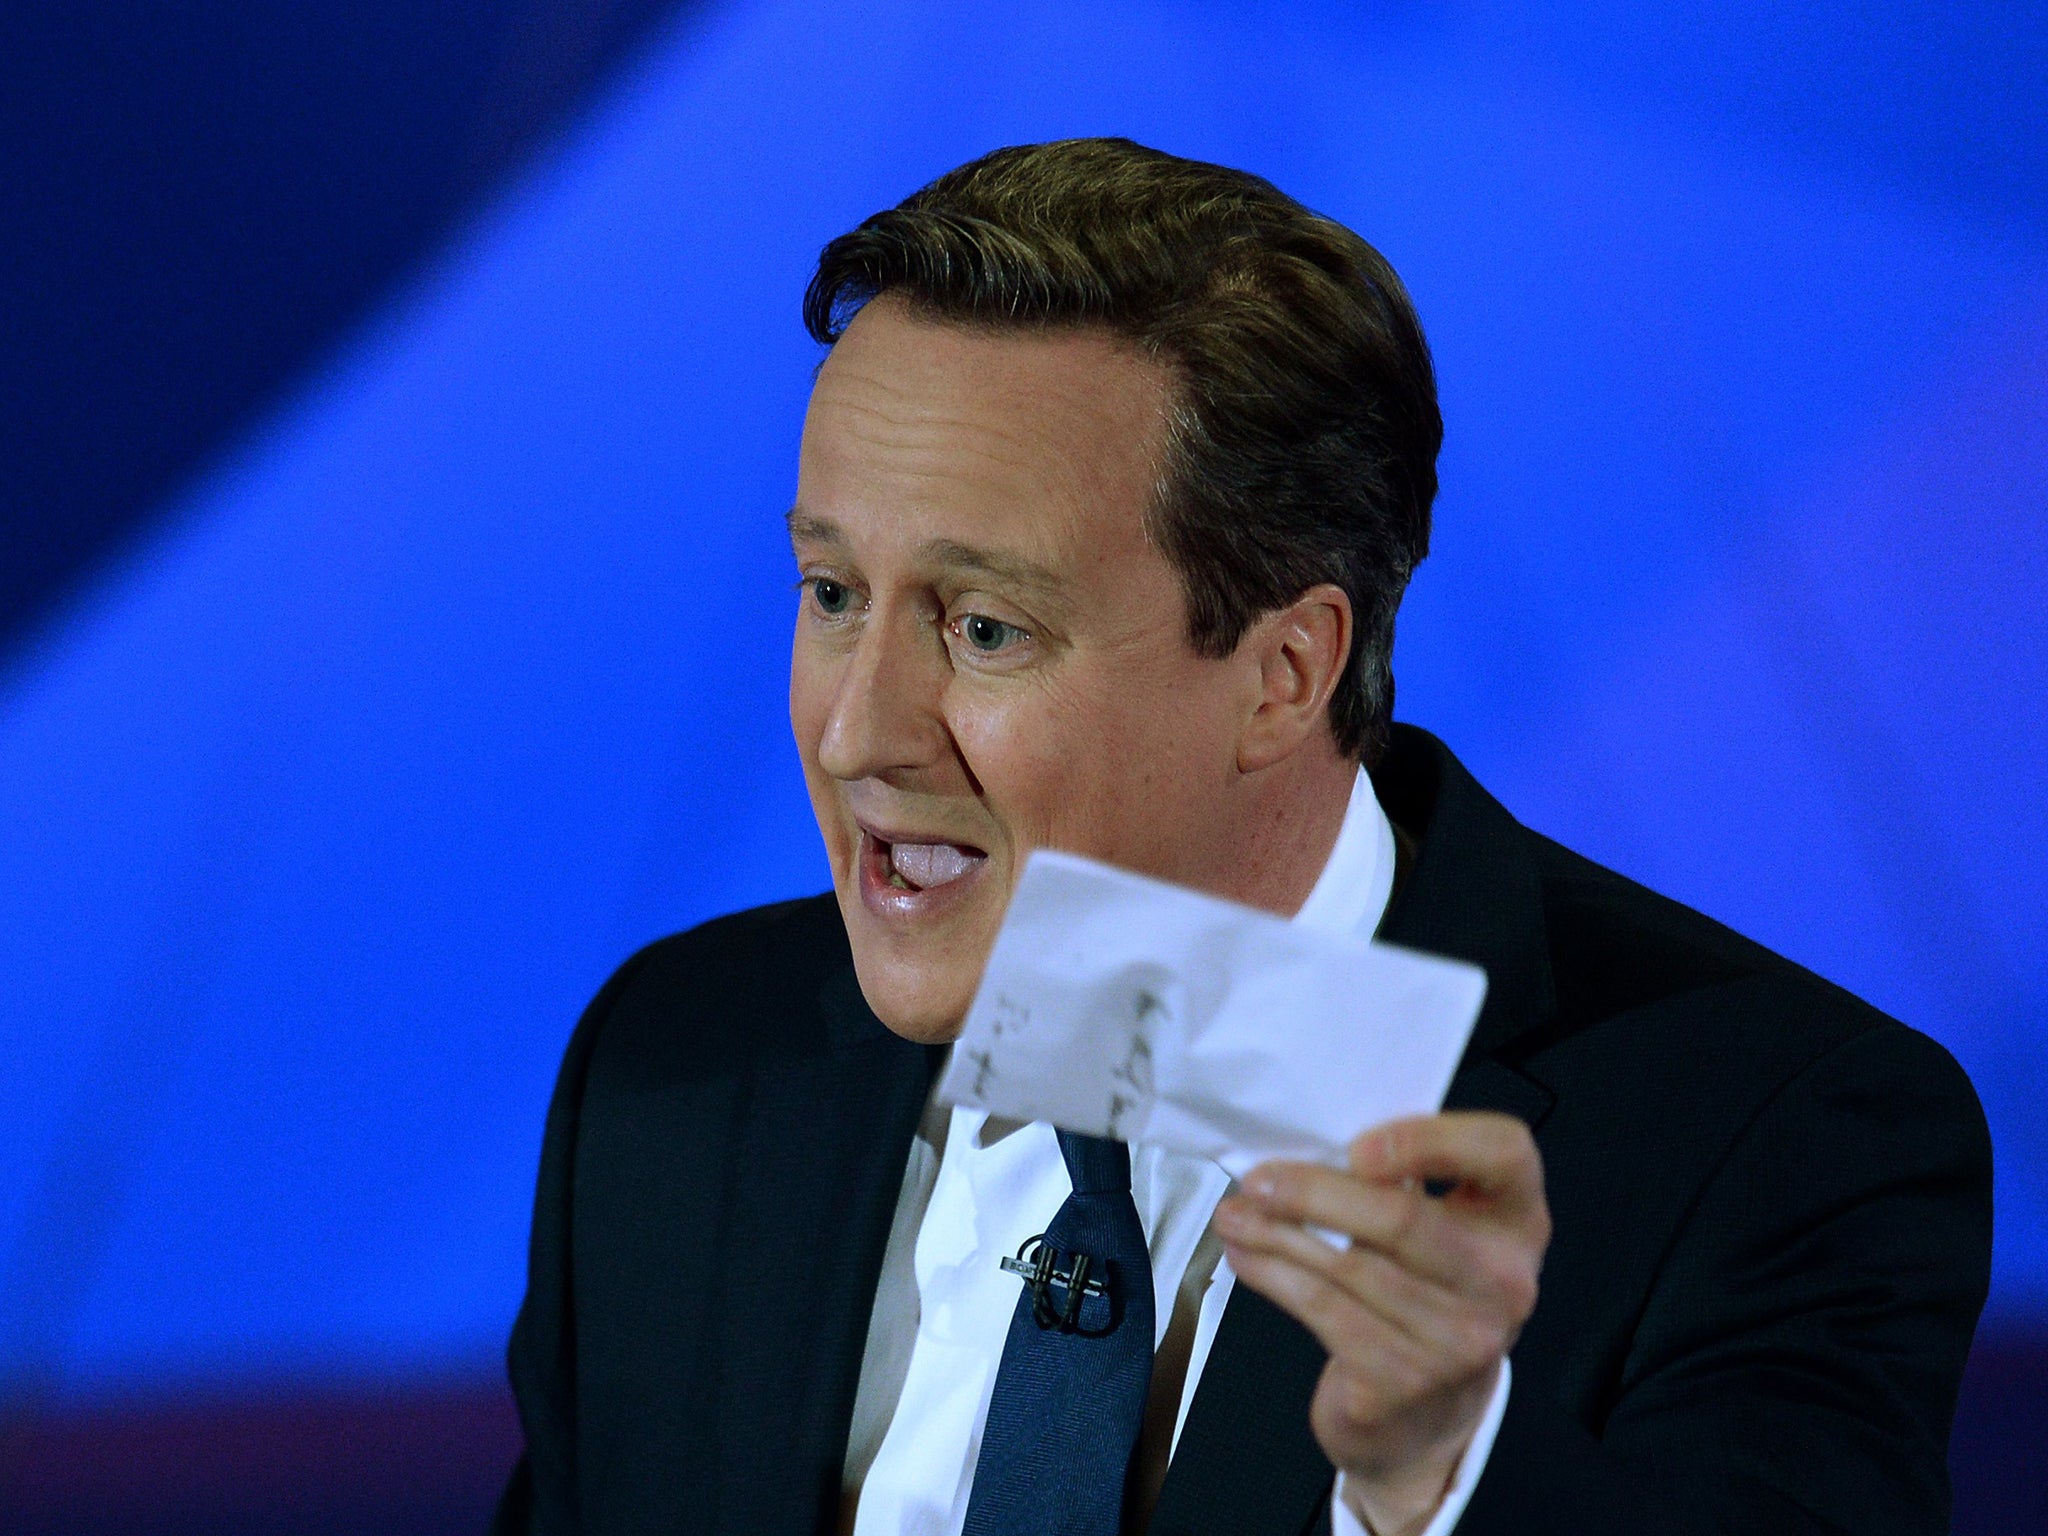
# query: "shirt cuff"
{"type": "Point", "coordinates": [1470, 1465]}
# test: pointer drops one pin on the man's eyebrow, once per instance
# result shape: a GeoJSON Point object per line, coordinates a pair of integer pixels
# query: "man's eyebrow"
{"type": "Point", "coordinates": [811, 528]}
{"type": "Point", "coordinates": [1012, 570]}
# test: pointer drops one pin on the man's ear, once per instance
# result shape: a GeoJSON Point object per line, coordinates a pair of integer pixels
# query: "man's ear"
{"type": "Point", "coordinates": [1300, 652]}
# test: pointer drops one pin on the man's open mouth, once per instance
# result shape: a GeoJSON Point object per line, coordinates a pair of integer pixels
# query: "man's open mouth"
{"type": "Point", "coordinates": [922, 866]}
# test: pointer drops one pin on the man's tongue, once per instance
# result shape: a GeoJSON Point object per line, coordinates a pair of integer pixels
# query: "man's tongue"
{"type": "Point", "coordinates": [928, 864]}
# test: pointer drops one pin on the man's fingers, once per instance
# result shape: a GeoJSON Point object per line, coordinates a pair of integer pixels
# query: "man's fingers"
{"type": "Point", "coordinates": [1446, 1260]}
{"type": "Point", "coordinates": [1341, 1323]}
{"type": "Point", "coordinates": [1490, 1154]}
{"type": "Point", "coordinates": [1390, 1218]}
{"type": "Point", "coordinates": [1484, 1238]}
{"type": "Point", "coordinates": [1440, 1321]}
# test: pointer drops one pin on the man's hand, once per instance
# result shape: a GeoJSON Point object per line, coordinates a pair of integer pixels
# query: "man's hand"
{"type": "Point", "coordinates": [1419, 1311]}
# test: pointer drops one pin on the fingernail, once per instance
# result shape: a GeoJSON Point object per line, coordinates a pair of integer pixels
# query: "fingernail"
{"type": "Point", "coordinates": [1259, 1185]}
{"type": "Point", "coordinates": [1375, 1150]}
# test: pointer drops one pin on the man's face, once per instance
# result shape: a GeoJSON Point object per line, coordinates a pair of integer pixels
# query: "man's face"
{"type": "Point", "coordinates": [991, 656]}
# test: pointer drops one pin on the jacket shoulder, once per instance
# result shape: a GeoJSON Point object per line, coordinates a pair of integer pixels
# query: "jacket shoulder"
{"type": "Point", "coordinates": [1629, 963]}
{"type": "Point", "coordinates": [1617, 946]}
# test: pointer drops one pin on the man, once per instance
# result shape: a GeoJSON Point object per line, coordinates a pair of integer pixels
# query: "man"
{"type": "Point", "coordinates": [1109, 489]}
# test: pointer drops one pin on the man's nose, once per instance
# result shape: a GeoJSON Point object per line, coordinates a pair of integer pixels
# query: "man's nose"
{"type": "Point", "coordinates": [885, 710]}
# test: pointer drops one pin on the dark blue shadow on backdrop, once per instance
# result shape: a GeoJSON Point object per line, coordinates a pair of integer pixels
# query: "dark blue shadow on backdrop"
{"type": "Point", "coordinates": [196, 201]}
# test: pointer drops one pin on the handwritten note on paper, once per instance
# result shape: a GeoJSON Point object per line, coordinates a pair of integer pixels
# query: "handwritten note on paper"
{"type": "Point", "coordinates": [1121, 1006]}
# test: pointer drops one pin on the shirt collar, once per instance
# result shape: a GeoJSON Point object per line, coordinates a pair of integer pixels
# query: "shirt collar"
{"type": "Point", "coordinates": [1350, 896]}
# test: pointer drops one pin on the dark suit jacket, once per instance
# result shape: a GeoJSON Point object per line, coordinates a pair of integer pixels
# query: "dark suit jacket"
{"type": "Point", "coordinates": [1772, 1210]}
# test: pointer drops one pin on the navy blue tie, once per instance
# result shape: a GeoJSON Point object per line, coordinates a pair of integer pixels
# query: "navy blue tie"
{"type": "Point", "coordinates": [1070, 1393]}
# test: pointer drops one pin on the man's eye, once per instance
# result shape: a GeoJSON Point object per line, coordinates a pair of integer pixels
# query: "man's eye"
{"type": "Point", "coordinates": [985, 633]}
{"type": "Point", "coordinates": [833, 597]}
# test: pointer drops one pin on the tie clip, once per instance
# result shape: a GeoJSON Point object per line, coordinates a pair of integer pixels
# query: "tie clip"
{"type": "Point", "coordinates": [1038, 1262]}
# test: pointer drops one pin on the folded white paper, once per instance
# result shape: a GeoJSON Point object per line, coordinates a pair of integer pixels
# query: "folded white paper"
{"type": "Point", "coordinates": [1121, 1006]}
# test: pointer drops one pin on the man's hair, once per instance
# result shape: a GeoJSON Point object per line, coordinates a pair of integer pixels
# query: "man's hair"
{"type": "Point", "coordinates": [1303, 428]}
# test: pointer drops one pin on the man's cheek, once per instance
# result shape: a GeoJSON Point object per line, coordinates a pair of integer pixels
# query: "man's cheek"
{"type": "Point", "coordinates": [1030, 766]}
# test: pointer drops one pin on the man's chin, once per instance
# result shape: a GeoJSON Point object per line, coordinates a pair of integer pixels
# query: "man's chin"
{"type": "Point", "coordinates": [926, 1033]}
{"type": "Point", "coordinates": [915, 1007]}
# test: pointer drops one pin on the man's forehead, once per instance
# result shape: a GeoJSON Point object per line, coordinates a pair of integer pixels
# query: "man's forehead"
{"type": "Point", "coordinates": [993, 453]}
{"type": "Point", "coordinates": [900, 378]}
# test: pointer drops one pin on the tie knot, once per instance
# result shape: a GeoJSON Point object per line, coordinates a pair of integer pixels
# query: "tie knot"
{"type": "Point", "coordinates": [1096, 1165]}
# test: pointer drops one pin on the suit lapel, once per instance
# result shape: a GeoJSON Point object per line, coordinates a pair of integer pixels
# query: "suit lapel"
{"type": "Point", "coordinates": [1474, 893]}
{"type": "Point", "coordinates": [816, 1165]}
{"type": "Point", "coordinates": [1248, 1463]}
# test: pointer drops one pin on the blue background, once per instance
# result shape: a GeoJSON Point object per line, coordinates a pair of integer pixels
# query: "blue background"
{"type": "Point", "coordinates": [325, 806]}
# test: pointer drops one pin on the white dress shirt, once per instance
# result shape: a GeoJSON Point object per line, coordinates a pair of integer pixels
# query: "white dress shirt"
{"type": "Point", "coordinates": [976, 1188]}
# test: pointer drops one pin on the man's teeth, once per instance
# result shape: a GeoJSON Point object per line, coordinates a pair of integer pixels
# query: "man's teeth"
{"type": "Point", "coordinates": [928, 864]}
